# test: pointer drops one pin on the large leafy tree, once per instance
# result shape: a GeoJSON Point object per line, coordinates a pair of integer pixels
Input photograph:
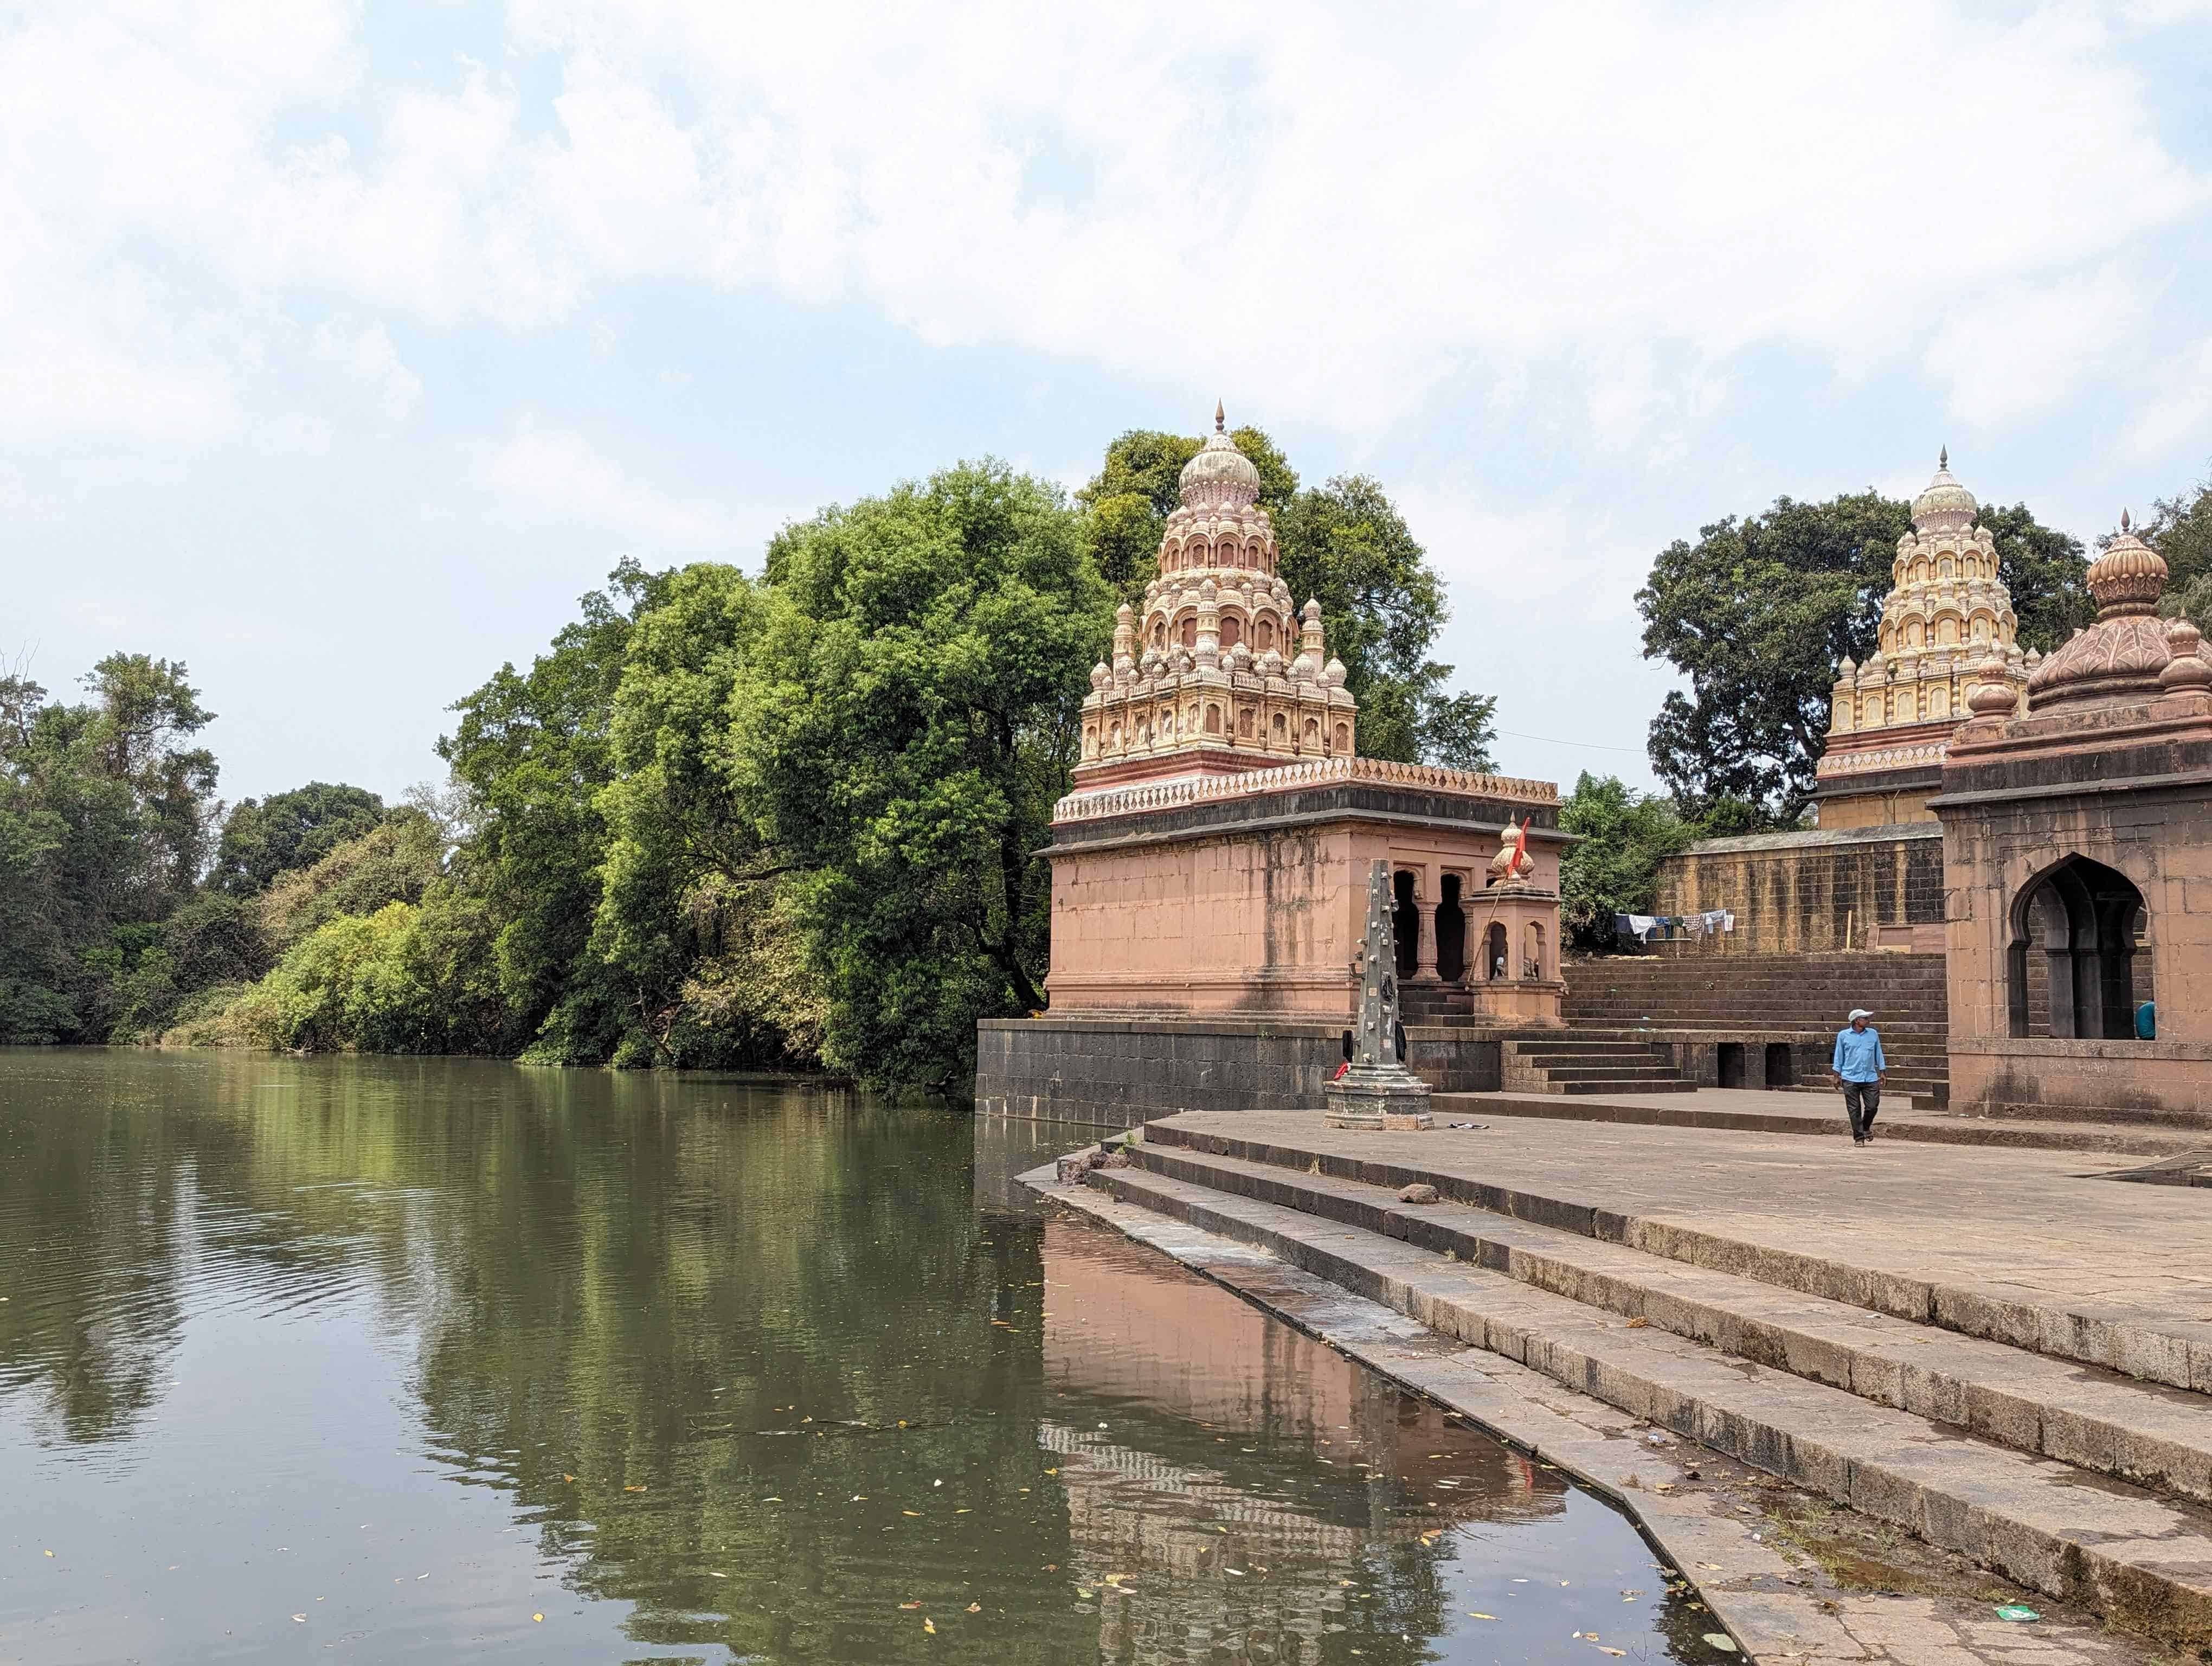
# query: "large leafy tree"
{"type": "Point", "coordinates": [1612, 868]}
{"type": "Point", "coordinates": [105, 813]}
{"type": "Point", "coordinates": [1344, 544]}
{"type": "Point", "coordinates": [900, 729]}
{"type": "Point", "coordinates": [265, 838]}
{"type": "Point", "coordinates": [1758, 612]}
{"type": "Point", "coordinates": [534, 749]}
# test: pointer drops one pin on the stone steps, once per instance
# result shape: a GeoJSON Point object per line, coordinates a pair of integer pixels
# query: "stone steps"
{"type": "Point", "coordinates": [2151, 1344]}
{"type": "Point", "coordinates": [2155, 1437]}
{"type": "Point", "coordinates": [2073, 1529]}
{"type": "Point", "coordinates": [1586, 1065]}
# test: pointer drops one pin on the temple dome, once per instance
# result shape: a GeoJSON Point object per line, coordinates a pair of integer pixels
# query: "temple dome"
{"type": "Point", "coordinates": [1946, 506]}
{"type": "Point", "coordinates": [1220, 475]}
{"type": "Point", "coordinates": [2122, 654]}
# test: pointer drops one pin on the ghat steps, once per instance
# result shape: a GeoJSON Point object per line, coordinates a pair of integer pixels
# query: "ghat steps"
{"type": "Point", "coordinates": [2079, 1464]}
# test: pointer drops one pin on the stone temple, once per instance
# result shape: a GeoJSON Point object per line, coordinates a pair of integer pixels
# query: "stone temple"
{"type": "Point", "coordinates": [1210, 866]}
{"type": "Point", "coordinates": [2012, 867]}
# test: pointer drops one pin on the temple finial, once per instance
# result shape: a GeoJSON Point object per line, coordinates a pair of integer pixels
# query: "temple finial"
{"type": "Point", "coordinates": [1219, 416]}
{"type": "Point", "coordinates": [2124, 520]}
{"type": "Point", "coordinates": [1943, 458]}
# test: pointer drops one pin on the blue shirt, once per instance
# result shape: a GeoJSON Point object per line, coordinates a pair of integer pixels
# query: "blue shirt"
{"type": "Point", "coordinates": [1858, 1054]}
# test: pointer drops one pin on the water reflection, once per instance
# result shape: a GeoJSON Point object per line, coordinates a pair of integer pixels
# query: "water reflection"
{"type": "Point", "coordinates": [384, 1357]}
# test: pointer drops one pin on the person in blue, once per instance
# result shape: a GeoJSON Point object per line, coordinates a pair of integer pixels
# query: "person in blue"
{"type": "Point", "coordinates": [1859, 1067]}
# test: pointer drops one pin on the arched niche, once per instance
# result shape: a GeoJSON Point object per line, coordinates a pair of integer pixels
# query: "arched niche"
{"type": "Point", "coordinates": [2069, 971]}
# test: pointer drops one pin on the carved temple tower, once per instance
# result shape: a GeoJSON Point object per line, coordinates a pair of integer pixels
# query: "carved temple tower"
{"type": "Point", "coordinates": [1220, 673]}
{"type": "Point", "coordinates": [1947, 614]}
{"type": "Point", "coordinates": [1211, 863]}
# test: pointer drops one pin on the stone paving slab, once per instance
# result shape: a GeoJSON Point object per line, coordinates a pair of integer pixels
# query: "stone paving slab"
{"type": "Point", "coordinates": [2137, 1559]}
{"type": "Point", "coordinates": [2147, 1433]}
{"type": "Point", "coordinates": [1779, 1606]}
{"type": "Point", "coordinates": [1773, 1110]}
{"type": "Point", "coordinates": [2023, 1247]}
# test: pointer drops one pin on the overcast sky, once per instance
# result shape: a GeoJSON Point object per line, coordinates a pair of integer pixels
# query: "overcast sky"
{"type": "Point", "coordinates": [342, 348]}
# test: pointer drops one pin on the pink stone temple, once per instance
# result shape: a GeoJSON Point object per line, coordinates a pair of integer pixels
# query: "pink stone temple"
{"type": "Point", "coordinates": [1210, 866]}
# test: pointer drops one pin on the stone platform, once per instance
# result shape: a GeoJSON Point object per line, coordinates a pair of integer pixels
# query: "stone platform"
{"type": "Point", "coordinates": [1999, 1350]}
{"type": "Point", "coordinates": [1768, 1110]}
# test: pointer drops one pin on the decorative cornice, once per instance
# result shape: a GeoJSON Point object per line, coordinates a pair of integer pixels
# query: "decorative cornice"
{"type": "Point", "coordinates": [1886, 757]}
{"type": "Point", "coordinates": [1198, 789]}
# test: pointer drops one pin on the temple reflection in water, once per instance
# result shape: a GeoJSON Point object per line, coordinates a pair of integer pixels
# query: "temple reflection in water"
{"type": "Point", "coordinates": [1161, 1384]}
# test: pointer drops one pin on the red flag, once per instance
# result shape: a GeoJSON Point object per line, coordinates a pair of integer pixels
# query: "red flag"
{"type": "Point", "coordinates": [1521, 847]}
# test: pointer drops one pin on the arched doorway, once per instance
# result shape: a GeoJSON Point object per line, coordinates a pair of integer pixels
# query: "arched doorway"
{"type": "Point", "coordinates": [2071, 963]}
{"type": "Point", "coordinates": [1406, 924]}
{"type": "Point", "coordinates": [1451, 933]}
{"type": "Point", "coordinates": [1494, 949]}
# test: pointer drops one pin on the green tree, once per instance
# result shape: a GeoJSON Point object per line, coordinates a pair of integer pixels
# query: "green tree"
{"type": "Point", "coordinates": [899, 730]}
{"type": "Point", "coordinates": [1613, 869]}
{"type": "Point", "coordinates": [534, 749]}
{"type": "Point", "coordinates": [1758, 613]}
{"type": "Point", "coordinates": [2180, 529]}
{"type": "Point", "coordinates": [1343, 544]}
{"type": "Point", "coordinates": [263, 838]}
{"type": "Point", "coordinates": [104, 815]}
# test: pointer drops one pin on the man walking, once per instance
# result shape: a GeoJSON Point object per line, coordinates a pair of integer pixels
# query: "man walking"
{"type": "Point", "coordinates": [1859, 1067]}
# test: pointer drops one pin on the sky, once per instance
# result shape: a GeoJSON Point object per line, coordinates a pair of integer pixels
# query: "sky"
{"type": "Point", "coordinates": [342, 347]}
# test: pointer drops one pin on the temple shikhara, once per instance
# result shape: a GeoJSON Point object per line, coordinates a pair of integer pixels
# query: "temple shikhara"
{"type": "Point", "coordinates": [1947, 617]}
{"type": "Point", "coordinates": [1223, 672]}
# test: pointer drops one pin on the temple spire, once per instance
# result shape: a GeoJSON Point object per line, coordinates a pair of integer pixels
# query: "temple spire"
{"type": "Point", "coordinates": [1219, 417]}
{"type": "Point", "coordinates": [1943, 458]}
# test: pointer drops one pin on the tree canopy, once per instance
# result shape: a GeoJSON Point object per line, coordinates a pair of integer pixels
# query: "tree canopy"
{"type": "Point", "coordinates": [263, 838]}
{"type": "Point", "coordinates": [1759, 612]}
{"type": "Point", "coordinates": [2180, 529]}
{"type": "Point", "coordinates": [1613, 867]}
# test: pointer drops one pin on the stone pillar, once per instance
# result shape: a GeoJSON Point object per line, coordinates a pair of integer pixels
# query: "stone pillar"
{"type": "Point", "coordinates": [1425, 961]}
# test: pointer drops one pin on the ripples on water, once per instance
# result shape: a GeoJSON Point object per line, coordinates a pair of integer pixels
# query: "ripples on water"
{"type": "Point", "coordinates": [383, 1359]}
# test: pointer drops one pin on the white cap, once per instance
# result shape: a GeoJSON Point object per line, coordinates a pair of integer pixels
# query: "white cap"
{"type": "Point", "coordinates": [1859, 1012]}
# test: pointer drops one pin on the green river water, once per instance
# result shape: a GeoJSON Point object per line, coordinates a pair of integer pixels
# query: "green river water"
{"type": "Point", "coordinates": [398, 1359]}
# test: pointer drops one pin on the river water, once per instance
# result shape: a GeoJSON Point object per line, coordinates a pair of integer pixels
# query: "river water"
{"type": "Point", "coordinates": [382, 1359]}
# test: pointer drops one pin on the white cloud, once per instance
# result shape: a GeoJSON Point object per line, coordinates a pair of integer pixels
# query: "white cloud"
{"type": "Point", "coordinates": [295, 434]}
{"type": "Point", "coordinates": [2177, 414]}
{"type": "Point", "coordinates": [1326, 213]}
{"type": "Point", "coordinates": [547, 477]}
{"type": "Point", "coordinates": [2027, 348]}
{"type": "Point", "coordinates": [366, 354]}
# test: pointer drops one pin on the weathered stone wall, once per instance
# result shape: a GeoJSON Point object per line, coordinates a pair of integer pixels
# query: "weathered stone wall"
{"type": "Point", "coordinates": [2119, 788]}
{"type": "Point", "coordinates": [1256, 903]}
{"type": "Point", "coordinates": [1121, 1070]}
{"type": "Point", "coordinates": [1817, 891]}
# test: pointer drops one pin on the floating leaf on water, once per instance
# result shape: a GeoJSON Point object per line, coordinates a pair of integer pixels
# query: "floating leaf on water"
{"type": "Point", "coordinates": [929, 1626]}
{"type": "Point", "coordinates": [1603, 1650]}
{"type": "Point", "coordinates": [632, 1489]}
{"type": "Point", "coordinates": [975, 1607]}
{"type": "Point", "coordinates": [1722, 1641]}
{"type": "Point", "coordinates": [2016, 1611]}
{"type": "Point", "coordinates": [538, 1619]}
{"type": "Point", "coordinates": [301, 1617]}
{"type": "Point", "coordinates": [1472, 1614]}
{"type": "Point", "coordinates": [910, 1512]}
{"type": "Point", "coordinates": [909, 1605]}
{"type": "Point", "coordinates": [711, 1574]}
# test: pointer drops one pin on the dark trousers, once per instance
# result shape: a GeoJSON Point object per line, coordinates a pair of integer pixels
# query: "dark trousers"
{"type": "Point", "coordinates": [1862, 1100]}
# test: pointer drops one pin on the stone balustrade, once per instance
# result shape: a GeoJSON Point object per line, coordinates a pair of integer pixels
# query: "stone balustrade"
{"type": "Point", "coordinates": [1196, 789]}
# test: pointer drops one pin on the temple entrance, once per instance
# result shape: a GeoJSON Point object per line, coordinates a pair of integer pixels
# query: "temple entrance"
{"type": "Point", "coordinates": [1451, 933]}
{"type": "Point", "coordinates": [2070, 970]}
{"type": "Point", "coordinates": [1406, 923]}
